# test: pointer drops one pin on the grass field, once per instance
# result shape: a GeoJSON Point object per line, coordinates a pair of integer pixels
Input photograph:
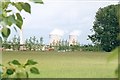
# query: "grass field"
{"type": "Point", "coordinates": [67, 64]}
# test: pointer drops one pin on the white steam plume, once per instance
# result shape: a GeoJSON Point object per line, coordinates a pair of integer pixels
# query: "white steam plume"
{"type": "Point", "coordinates": [75, 32]}
{"type": "Point", "coordinates": [57, 32]}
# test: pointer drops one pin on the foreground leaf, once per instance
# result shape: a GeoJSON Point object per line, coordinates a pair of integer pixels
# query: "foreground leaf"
{"type": "Point", "coordinates": [18, 6]}
{"type": "Point", "coordinates": [9, 71]}
{"type": "Point", "coordinates": [19, 17]}
{"type": "Point", "coordinates": [19, 21]}
{"type": "Point", "coordinates": [15, 62]}
{"type": "Point", "coordinates": [34, 70]}
{"type": "Point", "coordinates": [31, 62]}
{"type": "Point", "coordinates": [11, 20]}
{"type": "Point", "coordinates": [8, 10]}
{"type": "Point", "coordinates": [1, 65]}
{"type": "Point", "coordinates": [26, 7]}
{"type": "Point", "coordinates": [5, 32]}
{"type": "Point", "coordinates": [5, 4]}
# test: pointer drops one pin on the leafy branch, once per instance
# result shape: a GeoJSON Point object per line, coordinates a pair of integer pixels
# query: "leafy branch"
{"type": "Point", "coordinates": [19, 70]}
{"type": "Point", "coordinates": [8, 17]}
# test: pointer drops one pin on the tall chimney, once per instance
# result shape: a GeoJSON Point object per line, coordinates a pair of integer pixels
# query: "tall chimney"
{"type": "Point", "coordinates": [21, 40]}
{"type": "Point", "coordinates": [21, 37]}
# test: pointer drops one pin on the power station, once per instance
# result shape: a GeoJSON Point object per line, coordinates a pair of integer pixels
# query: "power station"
{"type": "Point", "coordinates": [56, 37]}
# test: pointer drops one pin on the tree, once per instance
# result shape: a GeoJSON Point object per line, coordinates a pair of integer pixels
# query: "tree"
{"type": "Point", "coordinates": [41, 43]}
{"type": "Point", "coordinates": [34, 43]}
{"type": "Point", "coordinates": [115, 53]}
{"type": "Point", "coordinates": [106, 28]}
{"type": "Point", "coordinates": [15, 43]}
{"type": "Point", "coordinates": [8, 17]}
{"type": "Point", "coordinates": [41, 40]}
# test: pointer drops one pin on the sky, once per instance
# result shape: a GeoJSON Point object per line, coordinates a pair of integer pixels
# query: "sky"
{"type": "Point", "coordinates": [63, 17]}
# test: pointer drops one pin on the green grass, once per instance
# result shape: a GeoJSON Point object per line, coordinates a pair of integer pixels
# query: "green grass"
{"type": "Point", "coordinates": [67, 64]}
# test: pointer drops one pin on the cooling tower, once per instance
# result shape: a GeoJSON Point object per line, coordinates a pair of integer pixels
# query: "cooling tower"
{"type": "Point", "coordinates": [54, 39]}
{"type": "Point", "coordinates": [72, 39]}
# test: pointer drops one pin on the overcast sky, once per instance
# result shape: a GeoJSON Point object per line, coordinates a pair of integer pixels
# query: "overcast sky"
{"type": "Point", "coordinates": [62, 16]}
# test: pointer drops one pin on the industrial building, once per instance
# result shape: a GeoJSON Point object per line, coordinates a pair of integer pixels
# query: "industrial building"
{"type": "Point", "coordinates": [56, 37]}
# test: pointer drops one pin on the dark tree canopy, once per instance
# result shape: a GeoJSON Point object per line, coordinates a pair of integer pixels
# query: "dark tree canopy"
{"type": "Point", "coordinates": [106, 28]}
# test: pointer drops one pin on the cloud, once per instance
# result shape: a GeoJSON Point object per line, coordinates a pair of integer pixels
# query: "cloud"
{"type": "Point", "coordinates": [57, 32]}
{"type": "Point", "coordinates": [75, 32]}
{"type": "Point", "coordinates": [68, 15]}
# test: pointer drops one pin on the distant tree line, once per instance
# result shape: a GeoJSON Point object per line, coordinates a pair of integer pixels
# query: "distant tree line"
{"type": "Point", "coordinates": [30, 44]}
{"type": "Point", "coordinates": [35, 44]}
{"type": "Point", "coordinates": [13, 44]}
{"type": "Point", "coordinates": [90, 47]}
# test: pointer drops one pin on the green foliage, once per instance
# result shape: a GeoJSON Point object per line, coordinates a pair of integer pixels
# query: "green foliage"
{"type": "Point", "coordinates": [1, 65]}
{"type": "Point", "coordinates": [118, 36]}
{"type": "Point", "coordinates": [11, 20]}
{"type": "Point", "coordinates": [31, 62]}
{"type": "Point", "coordinates": [19, 21]}
{"type": "Point", "coordinates": [74, 47]}
{"type": "Point", "coordinates": [15, 62]}
{"type": "Point", "coordinates": [34, 44]}
{"type": "Point", "coordinates": [41, 40]}
{"type": "Point", "coordinates": [106, 28]}
{"type": "Point", "coordinates": [10, 71]}
{"type": "Point", "coordinates": [90, 47]}
{"type": "Point", "coordinates": [15, 17]}
{"type": "Point", "coordinates": [19, 70]}
{"type": "Point", "coordinates": [26, 7]}
{"type": "Point", "coordinates": [18, 5]}
{"type": "Point", "coordinates": [34, 70]}
{"type": "Point", "coordinates": [5, 32]}
{"type": "Point", "coordinates": [13, 44]}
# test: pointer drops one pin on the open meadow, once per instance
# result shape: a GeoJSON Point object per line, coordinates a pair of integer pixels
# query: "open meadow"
{"type": "Point", "coordinates": [66, 64]}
